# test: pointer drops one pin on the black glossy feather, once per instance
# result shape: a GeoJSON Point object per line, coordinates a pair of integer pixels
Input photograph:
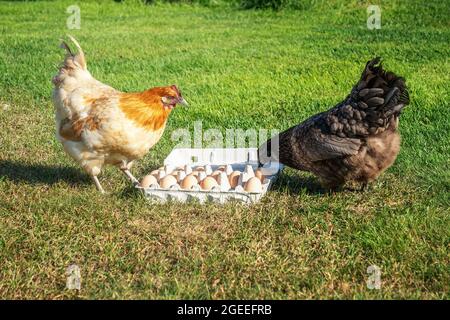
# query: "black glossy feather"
{"type": "Point", "coordinates": [375, 100]}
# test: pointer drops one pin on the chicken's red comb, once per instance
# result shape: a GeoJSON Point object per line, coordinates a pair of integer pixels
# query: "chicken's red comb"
{"type": "Point", "coordinates": [174, 87]}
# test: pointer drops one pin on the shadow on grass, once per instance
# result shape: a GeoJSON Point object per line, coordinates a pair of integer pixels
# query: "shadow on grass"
{"type": "Point", "coordinates": [130, 192]}
{"type": "Point", "coordinates": [298, 184]}
{"type": "Point", "coordinates": [39, 173]}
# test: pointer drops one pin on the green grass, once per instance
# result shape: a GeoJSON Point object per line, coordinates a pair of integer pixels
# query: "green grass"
{"type": "Point", "coordinates": [238, 69]}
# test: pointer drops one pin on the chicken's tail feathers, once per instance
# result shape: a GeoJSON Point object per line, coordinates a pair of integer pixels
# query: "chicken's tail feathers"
{"type": "Point", "coordinates": [72, 63]}
{"type": "Point", "coordinates": [374, 102]}
{"type": "Point", "coordinates": [78, 58]}
{"type": "Point", "coordinates": [65, 46]}
{"type": "Point", "coordinates": [376, 78]}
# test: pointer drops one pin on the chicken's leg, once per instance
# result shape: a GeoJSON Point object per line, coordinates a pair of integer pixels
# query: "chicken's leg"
{"type": "Point", "coordinates": [98, 185]}
{"type": "Point", "coordinates": [125, 168]}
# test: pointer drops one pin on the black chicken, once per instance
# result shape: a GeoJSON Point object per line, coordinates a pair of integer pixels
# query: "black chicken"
{"type": "Point", "coordinates": [354, 141]}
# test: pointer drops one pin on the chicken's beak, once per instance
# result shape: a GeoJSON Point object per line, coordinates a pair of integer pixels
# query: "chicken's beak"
{"type": "Point", "coordinates": [183, 102]}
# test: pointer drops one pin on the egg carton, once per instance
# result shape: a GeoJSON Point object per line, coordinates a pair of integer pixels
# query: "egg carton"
{"type": "Point", "coordinates": [238, 158]}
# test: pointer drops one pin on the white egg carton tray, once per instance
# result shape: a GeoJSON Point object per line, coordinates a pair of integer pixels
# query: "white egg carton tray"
{"type": "Point", "coordinates": [238, 158]}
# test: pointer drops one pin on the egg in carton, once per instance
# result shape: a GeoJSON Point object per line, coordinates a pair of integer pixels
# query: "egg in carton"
{"type": "Point", "coordinates": [209, 182]}
{"type": "Point", "coordinates": [169, 177]}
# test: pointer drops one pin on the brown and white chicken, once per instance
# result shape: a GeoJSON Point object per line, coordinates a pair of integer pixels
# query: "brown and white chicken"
{"type": "Point", "coordinates": [99, 125]}
{"type": "Point", "coordinates": [355, 141]}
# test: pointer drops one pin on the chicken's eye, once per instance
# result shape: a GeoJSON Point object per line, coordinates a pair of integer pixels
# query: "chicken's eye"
{"type": "Point", "coordinates": [168, 100]}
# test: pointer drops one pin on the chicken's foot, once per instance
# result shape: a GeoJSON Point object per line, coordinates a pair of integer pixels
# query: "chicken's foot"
{"type": "Point", "coordinates": [98, 185]}
{"type": "Point", "coordinates": [130, 176]}
{"type": "Point", "coordinates": [125, 168]}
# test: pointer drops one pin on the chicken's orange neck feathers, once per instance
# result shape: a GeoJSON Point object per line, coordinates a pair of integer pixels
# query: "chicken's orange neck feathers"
{"type": "Point", "coordinates": [145, 109]}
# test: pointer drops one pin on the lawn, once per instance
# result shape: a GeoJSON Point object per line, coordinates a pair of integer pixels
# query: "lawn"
{"type": "Point", "coordinates": [237, 69]}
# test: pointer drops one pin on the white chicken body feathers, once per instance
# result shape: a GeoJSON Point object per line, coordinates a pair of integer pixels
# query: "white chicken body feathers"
{"type": "Point", "coordinates": [97, 124]}
{"type": "Point", "coordinates": [111, 142]}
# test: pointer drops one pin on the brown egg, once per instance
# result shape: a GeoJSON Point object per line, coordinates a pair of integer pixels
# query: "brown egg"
{"type": "Point", "coordinates": [193, 174]}
{"type": "Point", "coordinates": [259, 175]}
{"type": "Point", "coordinates": [148, 180]}
{"type": "Point", "coordinates": [216, 174]}
{"type": "Point", "coordinates": [189, 182]}
{"type": "Point", "coordinates": [253, 185]}
{"type": "Point", "coordinates": [168, 181]}
{"type": "Point", "coordinates": [234, 178]}
{"type": "Point", "coordinates": [155, 173]}
{"type": "Point", "coordinates": [208, 183]}
{"type": "Point", "coordinates": [175, 172]}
